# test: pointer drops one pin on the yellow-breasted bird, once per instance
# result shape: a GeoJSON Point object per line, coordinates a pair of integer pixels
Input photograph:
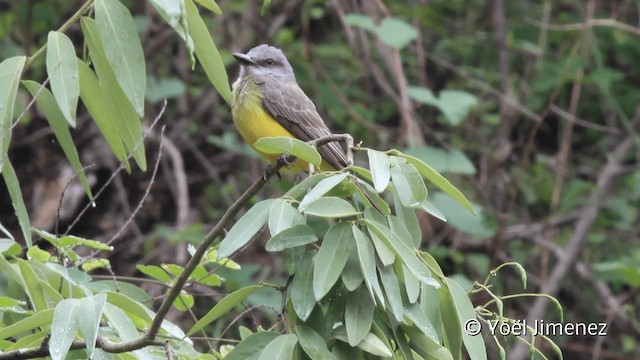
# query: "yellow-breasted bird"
{"type": "Point", "coordinates": [267, 101]}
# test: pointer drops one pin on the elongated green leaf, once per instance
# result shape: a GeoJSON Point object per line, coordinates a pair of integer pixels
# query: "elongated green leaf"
{"type": "Point", "coordinates": [392, 290]}
{"type": "Point", "coordinates": [366, 256]}
{"type": "Point", "coordinates": [97, 106]}
{"type": "Point", "coordinates": [322, 188]}
{"type": "Point", "coordinates": [372, 196]}
{"type": "Point", "coordinates": [10, 71]}
{"type": "Point", "coordinates": [452, 331]}
{"type": "Point", "coordinates": [331, 258]}
{"type": "Point", "coordinates": [174, 13]}
{"type": "Point", "coordinates": [432, 210]}
{"type": "Point", "coordinates": [358, 315]}
{"type": "Point", "coordinates": [398, 227]}
{"type": "Point", "coordinates": [371, 343]}
{"type": "Point", "coordinates": [300, 190]}
{"type": "Point", "coordinates": [155, 272]}
{"type": "Point", "coordinates": [280, 348]}
{"type": "Point", "coordinates": [251, 347]}
{"type": "Point", "coordinates": [330, 207]}
{"type": "Point", "coordinates": [47, 104]}
{"type": "Point", "coordinates": [408, 183]}
{"type": "Point", "coordinates": [31, 286]}
{"type": "Point", "coordinates": [244, 230]}
{"type": "Point", "coordinates": [313, 344]}
{"type": "Point", "coordinates": [379, 164]}
{"type": "Point", "coordinates": [291, 146]}
{"type": "Point", "coordinates": [38, 319]}
{"type": "Point", "coordinates": [63, 328]}
{"type": "Point", "coordinates": [207, 52]}
{"type": "Point", "coordinates": [425, 346]}
{"type": "Point", "coordinates": [421, 321]}
{"type": "Point", "coordinates": [352, 275]}
{"type": "Point", "coordinates": [62, 69]}
{"type": "Point", "coordinates": [210, 5]}
{"type": "Point", "coordinates": [409, 220]}
{"type": "Point", "coordinates": [88, 319]}
{"type": "Point", "coordinates": [302, 288]}
{"type": "Point", "coordinates": [404, 252]}
{"type": "Point", "coordinates": [13, 187]}
{"type": "Point", "coordinates": [283, 216]}
{"type": "Point", "coordinates": [121, 111]}
{"type": "Point", "coordinates": [297, 235]}
{"type": "Point", "coordinates": [438, 180]}
{"type": "Point", "coordinates": [132, 307]}
{"type": "Point", "coordinates": [123, 49]}
{"type": "Point", "coordinates": [125, 328]}
{"type": "Point", "coordinates": [412, 284]}
{"type": "Point", "coordinates": [474, 344]}
{"type": "Point", "coordinates": [223, 306]}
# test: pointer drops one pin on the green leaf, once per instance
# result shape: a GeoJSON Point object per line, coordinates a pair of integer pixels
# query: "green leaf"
{"type": "Point", "coordinates": [331, 258]}
{"type": "Point", "coordinates": [412, 285]}
{"type": "Point", "coordinates": [38, 319]}
{"type": "Point", "coordinates": [31, 286]}
{"type": "Point", "coordinates": [372, 196]}
{"type": "Point", "coordinates": [414, 313]}
{"type": "Point", "coordinates": [13, 187]}
{"type": "Point", "coordinates": [302, 288]}
{"type": "Point", "coordinates": [463, 307]}
{"type": "Point", "coordinates": [125, 328]}
{"type": "Point", "coordinates": [323, 187]}
{"type": "Point", "coordinates": [331, 207]}
{"type": "Point", "coordinates": [379, 164]}
{"type": "Point", "coordinates": [291, 146]}
{"type": "Point", "coordinates": [425, 346]}
{"type": "Point", "coordinates": [403, 252]}
{"type": "Point", "coordinates": [432, 210]}
{"type": "Point", "coordinates": [361, 21]}
{"type": "Point", "coordinates": [438, 180]}
{"type": "Point", "coordinates": [371, 343]}
{"type": "Point", "coordinates": [174, 13]}
{"type": "Point", "coordinates": [280, 348]}
{"type": "Point", "coordinates": [251, 347]}
{"type": "Point", "coordinates": [10, 71]}
{"type": "Point", "coordinates": [313, 344]}
{"type": "Point", "coordinates": [406, 223]}
{"type": "Point", "coordinates": [35, 253]}
{"type": "Point", "coordinates": [396, 32]}
{"type": "Point", "coordinates": [297, 235]}
{"type": "Point", "coordinates": [478, 225]}
{"type": "Point", "coordinates": [223, 306]}
{"type": "Point", "coordinates": [408, 183]}
{"type": "Point", "coordinates": [301, 189]}
{"type": "Point", "coordinates": [283, 216]}
{"type": "Point", "coordinates": [358, 315]}
{"type": "Point", "coordinates": [88, 315]}
{"type": "Point", "coordinates": [452, 161]}
{"type": "Point", "coordinates": [120, 109]}
{"type": "Point", "coordinates": [132, 307]}
{"type": "Point", "coordinates": [62, 69]}
{"type": "Point", "coordinates": [123, 49]}
{"type": "Point", "coordinates": [211, 6]}
{"type": "Point", "coordinates": [244, 230]}
{"type": "Point", "coordinates": [47, 104]}
{"type": "Point", "coordinates": [454, 104]}
{"type": "Point", "coordinates": [352, 275]}
{"type": "Point", "coordinates": [155, 272]}
{"type": "Point", "coordinates": [207, 52]}
{"type": "Point", "coordinates": [367, 260]}
{"type": "Point", "coordinates": [73, 241]}
{"type": "Point", "coordinates": [164, 88]}
{"type": "Point", "coordinates": [63, 328]}
{"type": "Point", "coordinates": [97, 106]}
{"type": "Point", "coordinates": [392, 290]}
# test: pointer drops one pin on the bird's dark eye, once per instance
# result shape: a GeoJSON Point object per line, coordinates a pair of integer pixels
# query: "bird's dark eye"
{"type": "Point", "coordinates": [269, 62]}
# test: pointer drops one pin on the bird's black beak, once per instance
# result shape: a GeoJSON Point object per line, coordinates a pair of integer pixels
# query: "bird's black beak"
{"type": "Point", "coordinates": [244, 59]}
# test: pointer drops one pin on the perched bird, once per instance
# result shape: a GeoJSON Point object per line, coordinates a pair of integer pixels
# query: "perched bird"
{"type": "Point", "coordinates": [267, 101]}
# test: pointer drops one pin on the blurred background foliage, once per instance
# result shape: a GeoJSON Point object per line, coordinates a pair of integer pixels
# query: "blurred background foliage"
{"type": "Point", "coordinates": [519, 103]}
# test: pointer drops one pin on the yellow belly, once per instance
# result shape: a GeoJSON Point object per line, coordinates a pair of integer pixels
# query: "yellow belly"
{"type": "Point", "coordinates": [254, 123]}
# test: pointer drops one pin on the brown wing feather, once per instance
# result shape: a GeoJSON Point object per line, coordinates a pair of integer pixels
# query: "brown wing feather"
{"type": "Point", "coordinates": [291, 107]}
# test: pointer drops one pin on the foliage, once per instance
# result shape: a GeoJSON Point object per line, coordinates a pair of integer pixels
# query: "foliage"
{"type": "Point", "coordinates": [534, 121]}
